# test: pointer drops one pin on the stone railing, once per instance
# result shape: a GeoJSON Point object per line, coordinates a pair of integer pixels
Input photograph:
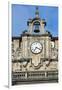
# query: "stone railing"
{"type": "Point", "coordinates": [35, 76]}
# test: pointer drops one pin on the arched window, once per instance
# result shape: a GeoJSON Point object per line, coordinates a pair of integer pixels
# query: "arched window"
{"type": "Point", "coordinates": [36, 27]}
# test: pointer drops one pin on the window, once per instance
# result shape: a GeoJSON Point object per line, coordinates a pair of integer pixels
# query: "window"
{"type": "Point", "coordinates": [52, 45]}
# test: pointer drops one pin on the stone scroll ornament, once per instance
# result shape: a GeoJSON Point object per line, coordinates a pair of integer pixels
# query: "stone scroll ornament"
{"type": "Point", "coordinates": [36, 66]}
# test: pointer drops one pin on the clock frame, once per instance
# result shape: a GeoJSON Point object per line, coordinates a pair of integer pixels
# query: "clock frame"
{"type": "Point", "coordinates": [36, 47]}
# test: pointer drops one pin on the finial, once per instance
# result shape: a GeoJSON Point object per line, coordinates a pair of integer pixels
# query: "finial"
{"type": "Point", "coordinates": [37, 12]}
{"type": "Point", "coordinates": [36, 7]}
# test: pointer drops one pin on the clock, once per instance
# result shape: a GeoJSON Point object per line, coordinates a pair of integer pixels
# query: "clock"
{"type": "Point", "coordinates": [36, 47]}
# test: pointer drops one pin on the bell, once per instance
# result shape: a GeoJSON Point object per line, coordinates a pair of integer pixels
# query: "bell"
{"type": "Point", "coordinates": [36, 30]}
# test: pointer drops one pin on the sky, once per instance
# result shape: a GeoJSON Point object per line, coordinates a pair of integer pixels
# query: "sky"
{"type": "Point", "coordinates": [21, 14]}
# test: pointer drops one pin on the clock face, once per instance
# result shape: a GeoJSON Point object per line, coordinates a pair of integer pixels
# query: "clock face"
{"type": "Point", "coordinates": [36, 47]}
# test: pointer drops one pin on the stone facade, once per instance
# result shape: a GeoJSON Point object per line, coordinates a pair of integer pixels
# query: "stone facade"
{"type": "Point", "coordinates": [24, 60]}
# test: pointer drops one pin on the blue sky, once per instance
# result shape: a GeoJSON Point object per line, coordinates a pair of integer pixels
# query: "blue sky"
{"type": "Point", "coordinates": [21, 14]}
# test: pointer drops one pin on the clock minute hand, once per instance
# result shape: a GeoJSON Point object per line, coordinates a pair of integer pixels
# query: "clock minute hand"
{"type": "Point", "coordinates": [35, 48]}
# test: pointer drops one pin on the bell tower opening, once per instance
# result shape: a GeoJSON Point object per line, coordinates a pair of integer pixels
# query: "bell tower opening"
{"type": "Point", "coordinates": [36, 27]}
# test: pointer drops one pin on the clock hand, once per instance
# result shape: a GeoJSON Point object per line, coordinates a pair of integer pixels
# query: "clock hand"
{"type": "Point", "coordinates": [36, 48]}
